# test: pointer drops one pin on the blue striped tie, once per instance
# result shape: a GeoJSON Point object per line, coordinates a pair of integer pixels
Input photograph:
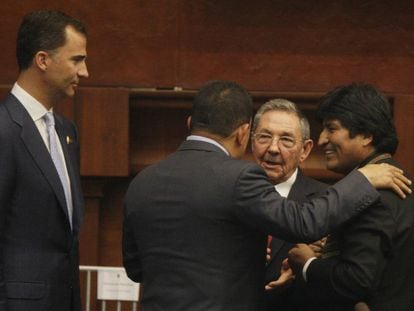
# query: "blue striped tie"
{"type": "Point", "coordinates": [58, 161]}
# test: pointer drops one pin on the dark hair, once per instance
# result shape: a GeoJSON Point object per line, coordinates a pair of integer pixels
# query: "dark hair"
{"type": "Point", "coordinates": [220, 107]}
{"type": "Point", "coordinates": [42, 31]}
{"type": "Point", "coordinates": [362, 109]}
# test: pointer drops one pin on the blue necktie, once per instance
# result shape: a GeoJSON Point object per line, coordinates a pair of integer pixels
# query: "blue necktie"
{"type": "Point", "coordinates": [58, 161]}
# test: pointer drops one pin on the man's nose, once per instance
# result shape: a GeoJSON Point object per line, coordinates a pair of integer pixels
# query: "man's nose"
{"type": "Point", "coordinates": [83, 72]}
{"type": "Point", "coordinates": [323, 138]}
{"type": "Point", "coordinates": [274, 146]}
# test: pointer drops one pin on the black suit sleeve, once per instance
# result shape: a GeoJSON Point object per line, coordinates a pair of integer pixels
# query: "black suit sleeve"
{"type": "Point", "coordinates": [130, 252]}
{"type": "Point", "coordinates": [259, 205]}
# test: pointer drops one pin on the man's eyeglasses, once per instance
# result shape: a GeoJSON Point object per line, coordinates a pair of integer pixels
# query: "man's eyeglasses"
{"type": "Point", "coordinates": [267, 140]}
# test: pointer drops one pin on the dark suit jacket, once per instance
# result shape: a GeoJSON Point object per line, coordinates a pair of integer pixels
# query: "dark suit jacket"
{"type": "Point", "coordinates": [196, 225]}
{"type": "Point", "coordinates": [375, 261]}
{"type": "Point", "coordinates": [38, 251]}
{"type": "Point", "coordinates": [303, 190]}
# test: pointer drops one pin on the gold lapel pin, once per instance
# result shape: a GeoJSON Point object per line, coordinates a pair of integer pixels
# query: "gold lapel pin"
{"type": "Point", "coordinates": [69, 140]}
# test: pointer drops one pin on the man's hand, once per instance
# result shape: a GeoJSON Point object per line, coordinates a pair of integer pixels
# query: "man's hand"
{"type": "Point", "coordinates": [286, 278]}
{"type": "Point", "coordinates": [318, 246]}
{"type": "Point", "coordinates": [385, 176]}
{"type": "Point", "coordinates": [299, 255]}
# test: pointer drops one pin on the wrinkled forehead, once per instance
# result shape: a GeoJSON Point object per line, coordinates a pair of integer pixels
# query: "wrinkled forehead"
{"type": "Point", "coordinates": [279, 121]}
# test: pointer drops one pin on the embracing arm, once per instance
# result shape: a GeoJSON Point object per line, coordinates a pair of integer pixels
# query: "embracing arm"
{"type": "Point", "coordinates": [259, 205]}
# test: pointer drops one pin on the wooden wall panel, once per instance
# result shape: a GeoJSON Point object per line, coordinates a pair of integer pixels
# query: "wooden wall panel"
{"type": "Point", "coordinates": [158, 127]}
{"type": "Point", "coordinates": [4, 90]}
{"type": "Point", "coordinates": [404, 122]}
{"type": "Point", "coordinates": [102, 115]}
{"type": "Point", "coordinates": [298, 45]}
{"type": "Point", "coordinates": [89, 234]}
{"type": "Point", "coordinates": [110, 234]}
{"type": "Point", "coordinates": [93, 191]}
{"type": "Point", "coordinates": [267, 45]}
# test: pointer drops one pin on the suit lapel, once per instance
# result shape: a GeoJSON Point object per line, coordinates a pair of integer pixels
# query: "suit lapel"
{"type": "Point", "coordinates": [299, 191]}
{"type": "Point", "coordinates": [34, 143]}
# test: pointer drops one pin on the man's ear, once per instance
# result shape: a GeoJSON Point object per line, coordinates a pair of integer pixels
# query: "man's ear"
{"type": "Point", "coordinates": [243, 134]}
{"type": "Point", "coordinates": [307, 148]}
{"type": "Point", "coordinates": [41, 60]}
{"type": "Point", "coordinates": [189, 122]}
{"type": "Point", "coordinates": [367, 139]}
{"type": "Point", "coordinates": [237, 142]}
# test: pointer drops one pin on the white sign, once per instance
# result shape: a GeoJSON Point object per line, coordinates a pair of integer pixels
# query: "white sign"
{"type": "Point", "coordinates": [115, 285]}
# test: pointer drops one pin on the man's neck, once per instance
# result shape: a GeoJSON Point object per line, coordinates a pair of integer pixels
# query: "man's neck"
{"type": "Point", "coordinates": [208, 140]}
{"type": "Point", "coordinates": [225, 142]}
{"type": "Point", "coordinates": [31, 83]}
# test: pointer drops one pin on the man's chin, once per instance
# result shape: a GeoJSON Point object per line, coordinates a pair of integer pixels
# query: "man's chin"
{"type": "Point", "coordinates": [71, 92]}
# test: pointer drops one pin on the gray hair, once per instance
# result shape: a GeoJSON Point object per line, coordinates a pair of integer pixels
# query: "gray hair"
{"type": "Point", "coordinates": [280, 104]}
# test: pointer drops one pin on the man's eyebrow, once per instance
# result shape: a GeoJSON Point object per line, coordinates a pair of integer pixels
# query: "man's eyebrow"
{"type": "Point", "coordinates": [78, 57]}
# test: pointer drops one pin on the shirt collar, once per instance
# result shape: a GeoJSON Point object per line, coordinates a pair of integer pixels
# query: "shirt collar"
{"type": "Point", "coordinates": [35, 109]}
{"type": "Point", "coordinates": [284, 187]}
{"type": "Point", "coordinates": [207, 140]}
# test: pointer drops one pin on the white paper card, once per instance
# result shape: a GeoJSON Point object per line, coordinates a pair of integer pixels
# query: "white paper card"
{"type": "Point", "coordinates": [115, 285]}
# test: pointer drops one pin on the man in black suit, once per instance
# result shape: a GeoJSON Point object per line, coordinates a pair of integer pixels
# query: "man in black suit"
{"type": "Point", "coordinates": [40, 196]}
{"type": "Point", "coordinates": [196, 223]}
{"type": "Point", "coordinates": [370, 258]}
{"type": "Point", "coordinates": [281, 160]}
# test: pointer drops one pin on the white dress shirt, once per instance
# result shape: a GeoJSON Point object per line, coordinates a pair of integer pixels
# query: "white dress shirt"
{"type": "Point", "coordinates": [284, 187]}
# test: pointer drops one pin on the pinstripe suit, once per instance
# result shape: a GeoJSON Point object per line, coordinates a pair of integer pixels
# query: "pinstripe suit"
{"type": "Point", "coordinates": [38, 250]}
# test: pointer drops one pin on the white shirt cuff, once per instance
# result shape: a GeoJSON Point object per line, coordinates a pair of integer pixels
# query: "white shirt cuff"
{"type": "Point", "coordinates": [305, 268]}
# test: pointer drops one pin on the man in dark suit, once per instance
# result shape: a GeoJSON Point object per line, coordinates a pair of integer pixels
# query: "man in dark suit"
{"type": "Point", "coordinates": [281, 160]}
{"type": "Point", "coordinates": [196, 223]}
{"type": "Point", "coordinates": [370, 258]}
{"type": "Point", "coordinates": [40, 195]}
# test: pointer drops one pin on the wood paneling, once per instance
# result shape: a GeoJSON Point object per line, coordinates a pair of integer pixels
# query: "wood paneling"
{"type": "Point", "coordinates": [102, 115]}
{"type": "Point", "coordinates": [89, 235]}
{"type": "Point", "coordinates": [267, 45]}
{"type": "Point", "coordinates": [404, 117]}
{"type": "Point", "coordinates": [4, 90]}
{"type": "Point", "coordinates": [111, 216]}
